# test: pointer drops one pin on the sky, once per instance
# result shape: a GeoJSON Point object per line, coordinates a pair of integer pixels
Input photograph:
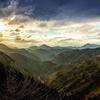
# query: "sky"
{"type": "Point", "coordinates": [25, 23]}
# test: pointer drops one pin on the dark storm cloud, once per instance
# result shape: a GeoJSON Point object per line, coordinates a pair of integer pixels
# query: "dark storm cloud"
{"type": "Point", "coordinates": [12, 7]}
{"type": "Point", "coordinates": [49, 9]}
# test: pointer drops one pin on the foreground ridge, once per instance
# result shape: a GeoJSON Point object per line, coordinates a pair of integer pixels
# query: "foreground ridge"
{"type": "Point", "coordinates": [16, 86]}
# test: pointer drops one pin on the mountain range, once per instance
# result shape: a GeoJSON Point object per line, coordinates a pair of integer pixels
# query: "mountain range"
{"type": "Point", "coordinates": [70, 71]}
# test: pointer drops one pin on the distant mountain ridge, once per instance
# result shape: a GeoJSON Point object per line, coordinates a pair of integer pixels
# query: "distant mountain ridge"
{"type": "Point", "coordinates": [90, 46]}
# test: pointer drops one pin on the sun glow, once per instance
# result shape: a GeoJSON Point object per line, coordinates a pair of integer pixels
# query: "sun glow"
{"type": "Point", "coordinates": [2, 26]}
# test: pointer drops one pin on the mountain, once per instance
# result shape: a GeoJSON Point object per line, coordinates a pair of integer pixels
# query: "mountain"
{"type": "Point", "coordinates": [44, 60]}
{"type": "Point", "coordinates": [14, 85]}
{"type": "Point", "coordinates": [82, 79]}
{"type": "Point", "coordinates": [45, 53]}
{"type": "Point", "coordinates": [45, 47]}
{"type": "Point", "coordinates": [75, 55]}
{"type": "Point", "coordinates": [55, 73]}
{"type": "Point", "coordinates": [12, 79]}
{"type": "Point", "coordinates": [5, 59]}
{"type": "Point", "coordinates": [90, 46]}
{"type": "Point", "coordinates": [5, 48]}
{"type": "Point", "coordinates": [29, 62]}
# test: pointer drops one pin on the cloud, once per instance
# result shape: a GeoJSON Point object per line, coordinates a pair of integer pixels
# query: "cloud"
{"type": "Point", "coordinates": [23, 40]}
{"type": "Point", "coordinates": [43, 25]}
{"type": "Point", "coordinates": [12, 9]}
{"type": "Point", "coordinates": [1, 37]}
{"type": "Point", "coordinates": [51, 9]}
{"type": "Point", "coordinates": [17, 30]}
{"type": "Point", "coordinates": [14, 34]}
{"type": "Point", "coordinates": [21, 26]}
{"type": "Point", "coordinates": [51, 21]}
{"type": "Point", "coordinates": [9, 9]}
{"type": "Point", "coordinates": [18, 19]}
